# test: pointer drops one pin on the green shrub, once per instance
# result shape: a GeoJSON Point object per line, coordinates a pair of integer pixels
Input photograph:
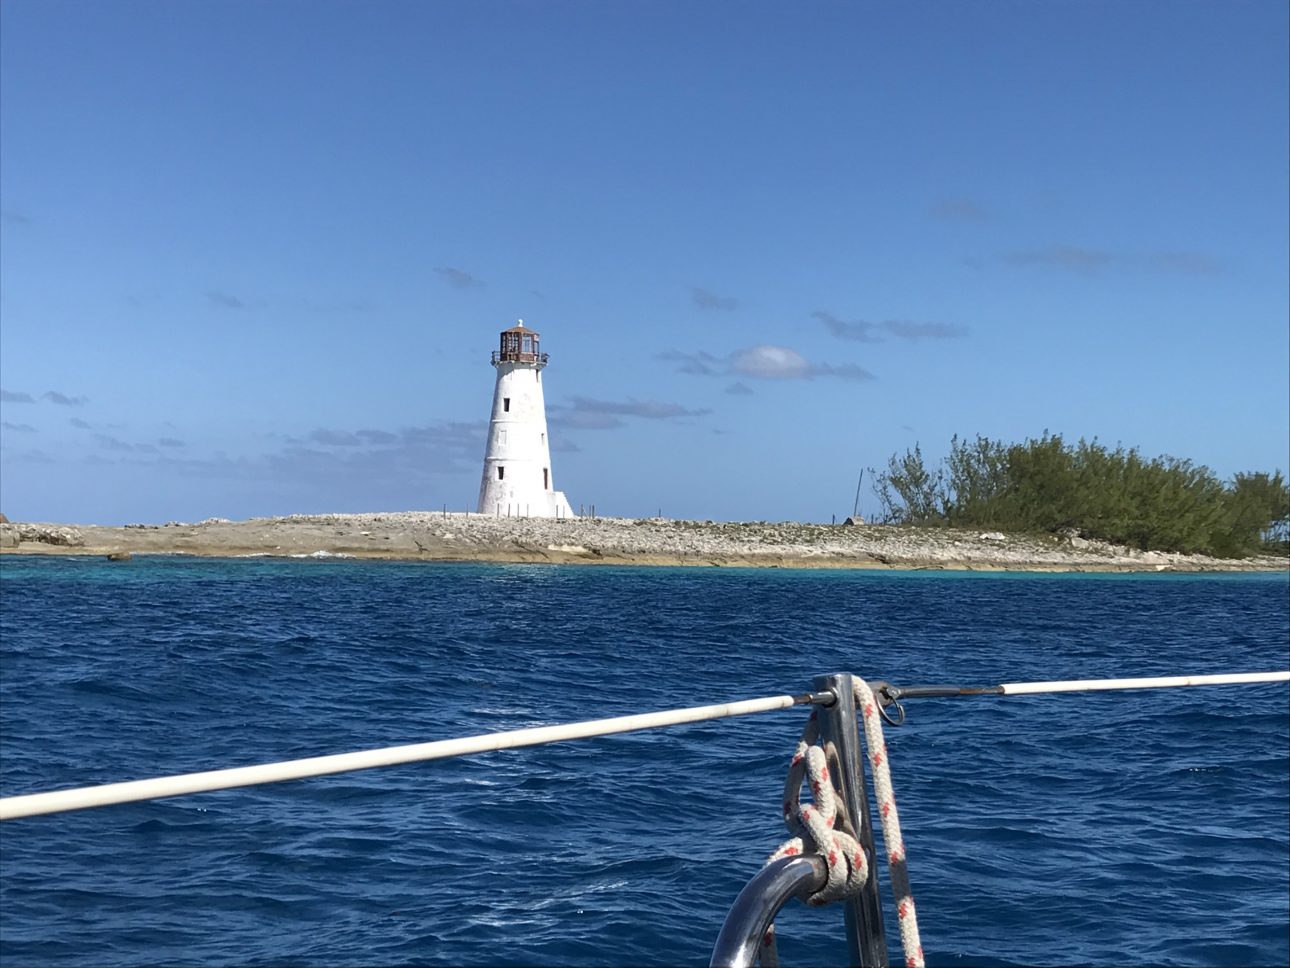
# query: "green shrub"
{"type": "Point", "coordinates": [1047, 485]}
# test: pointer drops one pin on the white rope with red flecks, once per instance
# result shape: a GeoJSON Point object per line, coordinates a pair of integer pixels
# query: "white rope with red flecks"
{"type": "Point", "coordinates": [897, 869]}
{"type": "Point", "coordinates": [814, 824]}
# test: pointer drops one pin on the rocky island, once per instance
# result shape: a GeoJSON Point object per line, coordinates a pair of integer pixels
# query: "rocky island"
{"type": "Point", "coordinates": [434, 536]}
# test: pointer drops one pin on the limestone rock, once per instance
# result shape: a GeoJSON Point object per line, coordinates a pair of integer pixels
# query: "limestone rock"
{"type": "Point", "coordinates": [992, 536]}
{"type": "Point", "coordinates": [8, 536]}
{"type": "Point", "coordinates": [852, 521]}
{"type": "Point", "coordinates": [119, 556]}
{"type": "Point", "coordinates": [54, 535]}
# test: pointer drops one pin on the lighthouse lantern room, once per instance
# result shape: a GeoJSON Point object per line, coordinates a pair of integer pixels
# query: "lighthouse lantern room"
{"type": "Point", "coordinates": [517, 479]}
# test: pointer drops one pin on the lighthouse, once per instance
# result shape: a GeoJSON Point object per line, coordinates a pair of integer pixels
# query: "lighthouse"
{"type": "Point", "coordinates": [517, 480]}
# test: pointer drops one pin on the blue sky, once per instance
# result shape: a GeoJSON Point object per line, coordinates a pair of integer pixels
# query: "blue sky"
{"type": "Point", "coordinates": [254, 256]}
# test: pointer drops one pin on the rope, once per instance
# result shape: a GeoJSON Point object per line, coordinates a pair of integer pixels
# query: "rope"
{"type": "Point", "coordinates": [897, 869]}
{"type": "Point", "coordinates": [815, 823]}
{"type": "Point", "coordinates": [59, 801]}
{"type": "Point", "coordinates": [815, 828]}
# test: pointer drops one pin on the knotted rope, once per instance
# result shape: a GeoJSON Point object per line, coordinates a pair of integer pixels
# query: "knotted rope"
{"type": "Point", "coordinates": [816, 827]}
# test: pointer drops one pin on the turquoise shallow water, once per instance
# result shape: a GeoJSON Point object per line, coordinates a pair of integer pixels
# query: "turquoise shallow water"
{"type": "Point", "coordinates": [1137, 829]}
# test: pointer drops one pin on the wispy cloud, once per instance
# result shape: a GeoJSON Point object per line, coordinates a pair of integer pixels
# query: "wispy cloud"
{"type": "Point", "coordinates": [409, 454]}
{"type": "Point", "coordinates": [781, 363]}
{"type": "Point", "coordinates": [648, 409]}
{"type": "Point", "coordinates": [63, 400]}
{"type": "Point", "coordinates": [860, 330]}
{"type": "Point", "coordinates": [1088, 261]}
{"type": "Point", "coordinates": [14, 396]}
{"type": "Point", "coordinates": [913, 331]}
{"type": "Point", "coordinates": [14, 218]}
{"type": "Point", "coordinates": [458, 278]}
{"type": "Point", "coordinates": [563, 419]}
{"type": "Point", "coordinates": [764, 362]}
{"type": "Point", "coordinates": [864, 331]}
{"type": "Point", "coordinates": [224, 300]}
{"type": "Point", "coordinates": [331, 437]}
{"type": "Point", "coordinates": [958, 210]}
{"type": "Point", "coordinates": [701, 363]}
{"type": "Point", "coordinates": [108, 442]}
{"type": "Point", "coordinates": [738, 389]}
{"type": "Point", "coordinates": [33, 457]}
{"type": "Point", "coordinates": [79, 424]}
{"type": "Point", "coordinates": [705, 299]}
{"type": "Point", "coordinates": [1072, 258]}
{"type": "Point", "coordinates": [586, 413]}
{"type": "Point", "coordinates": [377, 436]}
{"type": "Point", "coordinates": [20, 428]}
{"type": "Point", "coordinates": [409, 460]}
{"type": "Point", "coordinates": [335, 438]}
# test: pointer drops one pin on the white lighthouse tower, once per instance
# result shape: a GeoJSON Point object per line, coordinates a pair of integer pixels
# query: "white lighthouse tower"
{"type": "Point", "coordinates": [517, 479]}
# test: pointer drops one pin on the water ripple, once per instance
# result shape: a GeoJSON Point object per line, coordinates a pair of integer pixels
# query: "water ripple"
{"type": "Point", "coordinates": [1095, 829]}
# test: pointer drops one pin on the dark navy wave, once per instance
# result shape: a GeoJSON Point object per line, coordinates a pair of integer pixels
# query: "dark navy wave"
{"type": "Point", "coordinates": [1127, 829]}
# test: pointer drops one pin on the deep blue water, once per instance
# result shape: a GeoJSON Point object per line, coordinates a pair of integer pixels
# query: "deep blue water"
{"type": "Point", "coordinates": [1131, 829]}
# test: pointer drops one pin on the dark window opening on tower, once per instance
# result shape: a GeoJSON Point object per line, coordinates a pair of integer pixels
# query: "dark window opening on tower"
{"type": "Point", "coordinates": [501, 472]}
{"type": "Point", "coordinates": [546, 478]}
{"type": "Point", "coordinates": [506, 404]}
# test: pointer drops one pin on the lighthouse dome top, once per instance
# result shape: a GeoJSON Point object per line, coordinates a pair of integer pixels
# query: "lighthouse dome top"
{"type": "Point", "coordinates": [519, 344]}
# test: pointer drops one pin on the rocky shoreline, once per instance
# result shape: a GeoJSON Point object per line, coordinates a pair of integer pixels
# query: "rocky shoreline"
{"type": "Point", "coordinates": [432, 536]}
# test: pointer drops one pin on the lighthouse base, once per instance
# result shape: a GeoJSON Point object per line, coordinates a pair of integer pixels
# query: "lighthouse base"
{"type": "Point", "coordinates": [549, 504]}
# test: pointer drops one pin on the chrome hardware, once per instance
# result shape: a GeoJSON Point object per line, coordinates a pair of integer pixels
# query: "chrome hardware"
{"type": "Point", "coordinates": [750, 917]}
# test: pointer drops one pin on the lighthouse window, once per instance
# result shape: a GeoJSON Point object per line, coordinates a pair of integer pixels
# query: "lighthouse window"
{"type": "Point", "coordinates": [501, 435]}
{"type": "Point", "coordinates": [506, 404]}
{"type": "Point", "coordinates": [528, 344]}
{"type": "Point", "coordinates": [501, 472]}
{"type": "Point", "coordinates": [546, 478]}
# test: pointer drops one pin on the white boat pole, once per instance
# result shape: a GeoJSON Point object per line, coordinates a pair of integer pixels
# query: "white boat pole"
{"type": "Point", "coordinates": [888, 692]}
{"type": "Point", "coordinates": [1160, 682]}
{"type": "Point", "coordinates": [81, 798]}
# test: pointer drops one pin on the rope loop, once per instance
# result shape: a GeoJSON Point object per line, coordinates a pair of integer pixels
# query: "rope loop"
{"type": "Point", "coordinates": [814, 826]}
{"type": "Point", "coordinates": [819, 827]}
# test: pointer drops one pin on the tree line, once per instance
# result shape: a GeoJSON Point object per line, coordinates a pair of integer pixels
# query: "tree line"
{"type": "Point", "coordinates": [1046, 485]}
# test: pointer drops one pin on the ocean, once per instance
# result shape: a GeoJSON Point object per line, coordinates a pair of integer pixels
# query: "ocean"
{"type": "Point", "coordinates": [1147, 828]}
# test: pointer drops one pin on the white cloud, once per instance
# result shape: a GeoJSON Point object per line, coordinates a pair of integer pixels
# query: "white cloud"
{"type": "Point", "coordinates": [763, 362]}
{"type": "Point", "coordinates": [770, 363]}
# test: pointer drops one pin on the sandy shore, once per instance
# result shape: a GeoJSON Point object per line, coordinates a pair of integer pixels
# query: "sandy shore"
{"type": "Point", "coordinates": [431, 536]}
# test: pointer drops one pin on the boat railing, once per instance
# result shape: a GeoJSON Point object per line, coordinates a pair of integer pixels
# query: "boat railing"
{"type": "Point", "coordinates": [742, 937]}
{"type": "Point", "coordinates": [748, 927]}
